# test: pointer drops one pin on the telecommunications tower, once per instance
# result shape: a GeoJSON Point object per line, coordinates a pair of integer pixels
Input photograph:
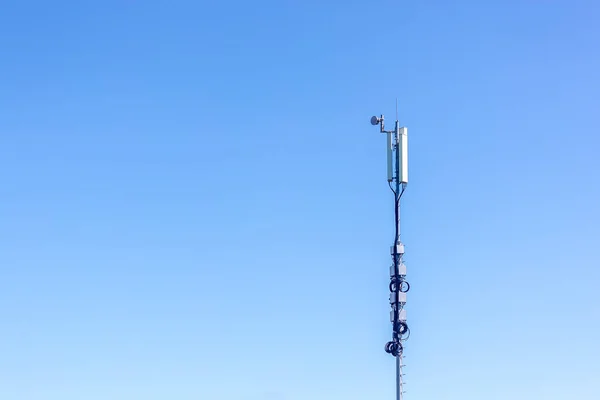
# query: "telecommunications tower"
{"type": "Point", "coordinates": [397, 176]}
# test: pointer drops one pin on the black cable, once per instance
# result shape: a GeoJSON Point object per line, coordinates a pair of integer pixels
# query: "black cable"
{"type": "Point", "coordinates": [402, 288]}
{"type": "Point", "coordinates": [399, 285]}
{"type": "Point", "coordinates": [406, 335]}
{"type": "Point", "coordinates": [401, 327]}
{"type": "Point", "coordinates": [397, 198]}
{"type": "Point", "coordinates": [391, 188]}
{"type": "Point", "coordinates": [395, 347]}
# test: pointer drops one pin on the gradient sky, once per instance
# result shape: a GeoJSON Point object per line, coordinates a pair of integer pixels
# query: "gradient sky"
{"type": "Point", "coordinates": [194, 205]}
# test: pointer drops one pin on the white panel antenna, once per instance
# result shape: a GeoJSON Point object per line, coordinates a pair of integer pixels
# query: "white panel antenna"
{"type": "Point", "coordinates": [403, 154]}
{"type": "Point", "coordinates": [390, 157]}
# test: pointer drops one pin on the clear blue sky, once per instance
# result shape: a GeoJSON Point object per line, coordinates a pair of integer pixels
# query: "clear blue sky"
{"type": "Point", "coordinates": [194, 205]}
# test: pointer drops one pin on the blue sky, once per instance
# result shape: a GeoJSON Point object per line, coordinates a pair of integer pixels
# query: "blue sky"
{"type": "Point", "coordinates": [194, 204]}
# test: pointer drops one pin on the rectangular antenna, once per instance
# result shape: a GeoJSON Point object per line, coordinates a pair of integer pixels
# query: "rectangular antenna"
{"type": "Point", "coordinates": [403, 154]}
{"type": "Point", "coordinates": [390, 149]}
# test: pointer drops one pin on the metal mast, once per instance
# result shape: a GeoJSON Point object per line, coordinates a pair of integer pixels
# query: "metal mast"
{"type": "Point", "coordinates": [397, 175]}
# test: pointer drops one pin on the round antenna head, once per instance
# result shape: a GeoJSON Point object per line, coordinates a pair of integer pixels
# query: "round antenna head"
{"type": "Point", "coordinates": [375, 120]}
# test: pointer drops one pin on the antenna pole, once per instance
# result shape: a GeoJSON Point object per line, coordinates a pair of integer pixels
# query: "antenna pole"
{"type": "Point", "coordinates": [398, 257]}
{"type": "Point", "coordinates": [399, 286]}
